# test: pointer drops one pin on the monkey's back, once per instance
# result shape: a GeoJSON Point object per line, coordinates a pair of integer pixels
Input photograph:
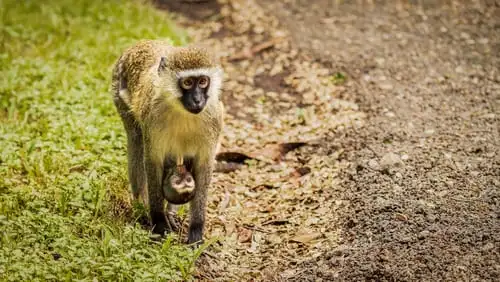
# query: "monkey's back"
{"type": "Point", "coordinates": [132, 79]}
{"type": "Point", "coordinates": [138, 60]}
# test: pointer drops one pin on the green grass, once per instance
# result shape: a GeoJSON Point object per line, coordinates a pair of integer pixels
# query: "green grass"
{"type": "Point", "coordinates": [64, 202]}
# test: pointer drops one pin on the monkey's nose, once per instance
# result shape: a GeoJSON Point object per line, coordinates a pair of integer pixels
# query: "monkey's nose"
{"type": "Point", "coordinates": [198, 104]}
{"type": "Point", "coordinates": [197, 101]}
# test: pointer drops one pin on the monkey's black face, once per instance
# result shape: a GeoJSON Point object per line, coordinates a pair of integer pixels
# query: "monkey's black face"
{"type": "Point", "coordinates": [194, 92]}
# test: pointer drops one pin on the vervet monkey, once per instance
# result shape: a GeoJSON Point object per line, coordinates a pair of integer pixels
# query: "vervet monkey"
{"type": "Point", "coordinates": [168, 99]}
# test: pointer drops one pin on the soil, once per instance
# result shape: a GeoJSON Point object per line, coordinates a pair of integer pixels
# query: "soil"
{"type": "Point", "coordinates": [398, 102]}
{"type": "Point", "coordinates": [194, 9]}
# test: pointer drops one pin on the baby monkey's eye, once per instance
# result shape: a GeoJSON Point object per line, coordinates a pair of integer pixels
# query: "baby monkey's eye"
{"type": "Point", "coordinates": [187, 83]}
{"type": "Point", "coordinates": [203, 82]}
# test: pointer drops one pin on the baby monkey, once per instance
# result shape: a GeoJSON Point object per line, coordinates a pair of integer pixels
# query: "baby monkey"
{"type": "Point", "coordinates": [179, 185]}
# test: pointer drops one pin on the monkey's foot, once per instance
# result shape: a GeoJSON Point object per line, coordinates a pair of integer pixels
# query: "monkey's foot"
{"type": "Point", "coordinates": [160, 224]}
{"type": "Point", "coordinates": [195, 235]}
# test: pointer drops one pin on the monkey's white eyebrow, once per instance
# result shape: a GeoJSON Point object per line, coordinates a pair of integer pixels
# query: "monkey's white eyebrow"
{"type": "Point", "coordinates": [210, 72]}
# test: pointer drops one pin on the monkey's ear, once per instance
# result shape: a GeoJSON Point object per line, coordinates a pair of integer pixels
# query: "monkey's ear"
{"type": "Point", "coordinates": [163, 64]}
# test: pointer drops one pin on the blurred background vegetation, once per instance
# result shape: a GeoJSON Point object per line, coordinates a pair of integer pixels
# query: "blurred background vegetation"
{"type": "Point", "coordinates": [64, 206]}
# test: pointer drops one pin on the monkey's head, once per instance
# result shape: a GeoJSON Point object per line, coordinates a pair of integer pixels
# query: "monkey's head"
{"type": "Point", "coordinates": [193, 79]}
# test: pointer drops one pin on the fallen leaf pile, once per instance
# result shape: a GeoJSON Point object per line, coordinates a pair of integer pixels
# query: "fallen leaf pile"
{"type": "Point", "coordinates": [275, 210]}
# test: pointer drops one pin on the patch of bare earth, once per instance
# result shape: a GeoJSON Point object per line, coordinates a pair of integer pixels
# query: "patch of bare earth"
{"type": "Point", "coordinates": [400, 176]}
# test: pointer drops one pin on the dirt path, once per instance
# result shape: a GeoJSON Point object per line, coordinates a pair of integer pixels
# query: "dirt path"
{"type": "Point", "coordinates": [424, 191]}
{"type": "Point", "coordinates": [399, 105]}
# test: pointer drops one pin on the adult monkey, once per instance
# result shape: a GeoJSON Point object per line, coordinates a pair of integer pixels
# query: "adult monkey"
{"type": "Point", "coordinates": [168, 99]}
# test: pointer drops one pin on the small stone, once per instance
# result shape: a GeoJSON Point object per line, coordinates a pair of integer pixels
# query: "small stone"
{"type": "Point", "coordinates": [405, 239]}
{"type": "Point", "coordinates": [483, 41]}
{"type": "Point", "coordinates": [397, 189]}
{"type": "Point", "coordinates": [390, 160]}
{"type": "Point", "coordinates": [488, 247]}
{"type": "Point", "coordinates": [490, 154]}
{"type": "Point", "coordinates": [442, 193]}
{"type": "Point", "coordinates": [488, 116]}
{"type": "Point", "coordinates": [424, 234]}
{"type": "Point", "coordinates": [373, 164]}
{"type": "Point", "coordinates": [464, 35]}
{"type": "Point", "coordinates": [340, 250]}
{"type": "Point", "coordinates": [380, 61]}
{"type": "Point", "coordinates": [429, 132]}
{"type": "Point", "coordinates": [386, 86]}
{"type": "Point", "coordinates": [431, 218]}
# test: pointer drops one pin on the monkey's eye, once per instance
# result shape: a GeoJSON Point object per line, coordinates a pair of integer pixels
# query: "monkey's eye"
{"type": "Point", "coordinates": [187, 83]}
{"type": "Point", "coordinates": [203, 82]}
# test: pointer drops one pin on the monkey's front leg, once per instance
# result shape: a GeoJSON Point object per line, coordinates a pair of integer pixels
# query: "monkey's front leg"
{"type": "Point", "coordinates": [154, 174]}
{"type": "Point", "coordinates": [203, 175]}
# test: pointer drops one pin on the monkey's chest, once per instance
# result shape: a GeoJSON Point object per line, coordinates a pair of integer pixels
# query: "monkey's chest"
{"type": "Point", "coordinates": [182, 139]}
{"type": "Point", "coordinates": [184, 144]}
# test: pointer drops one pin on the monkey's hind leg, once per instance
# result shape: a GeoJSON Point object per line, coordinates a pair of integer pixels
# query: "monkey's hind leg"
{"type": "Point", "coordinates": [154, 167]}
{"type": "Point", "coordinates": [135, 151]}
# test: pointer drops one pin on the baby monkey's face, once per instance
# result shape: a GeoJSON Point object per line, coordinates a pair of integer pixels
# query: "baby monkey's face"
{"type": "Point", "coordinates": [194, 92]}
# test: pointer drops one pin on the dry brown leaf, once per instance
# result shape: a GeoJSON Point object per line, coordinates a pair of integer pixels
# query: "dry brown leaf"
{"type": "Point", "coordinates": [224, 203]}
{"type": "Point", "coordinates": [244, 235]}
{"type": "Point", "coordinates": [232, 157]}
{"type": "Point", "coordinates": [256, 240]}
{"type": "Point", "coordinates": [229, 227]}
{"type": "Point", "coordinates": [266, 208]}
{"type": "Point", "coordinates": [303, 170]}
{"type": "Point", "coordinates": [261, 187]}
{"type": "Point", "coordinates": [276, 222]}
{"type": "Point", "coordinates": [305, 238]}
{"type": "Point", "coordinates": [275, 152]}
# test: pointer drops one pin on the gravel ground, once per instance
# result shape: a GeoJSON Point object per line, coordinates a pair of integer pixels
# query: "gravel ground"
{"type": "Point", "coordinates": [398, 104]}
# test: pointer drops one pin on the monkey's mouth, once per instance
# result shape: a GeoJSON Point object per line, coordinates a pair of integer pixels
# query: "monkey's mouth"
{"type": "Point", "coordinates": [195, 109]}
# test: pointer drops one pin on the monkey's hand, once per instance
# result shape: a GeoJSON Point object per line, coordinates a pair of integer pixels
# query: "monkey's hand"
{"type": "Point", "coordinates": [178, 188]}
{"type": "Point", "coordinates": [173, 219]}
